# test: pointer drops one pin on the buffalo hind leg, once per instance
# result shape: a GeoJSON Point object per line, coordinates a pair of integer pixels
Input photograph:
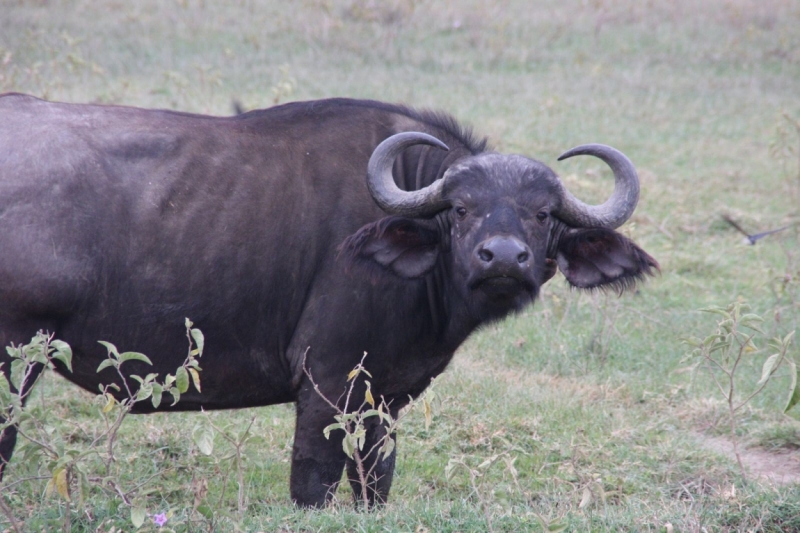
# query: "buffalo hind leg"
{"type": "Point", "coordinates": [373, 468]}
{"type": "Point", "coordinates": [18, 333]}
{"type": "Point", "coordinates": [8, 436]}
{"type": "Point", "coordinates": [317, 462]}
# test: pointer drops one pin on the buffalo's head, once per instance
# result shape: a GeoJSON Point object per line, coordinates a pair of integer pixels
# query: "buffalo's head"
{"type": "Point", "coordinates": [501, 225]}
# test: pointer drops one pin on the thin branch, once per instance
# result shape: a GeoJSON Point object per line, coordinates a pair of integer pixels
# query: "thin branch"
{"type": "Point", "coordinates": [237, 444]}
{"type": "Point", "coordinates": [7, 511]}
{"type": "Point", "coordinates": [713, 376]}
{"type": "Point", "coordinates": [42, 445]}
{"type": "Point", "coordinates": [719, 366]}
{"type": "Point", "coordinates": [7, 486]}
{"type": "Point", "coordinates": [307, 372]}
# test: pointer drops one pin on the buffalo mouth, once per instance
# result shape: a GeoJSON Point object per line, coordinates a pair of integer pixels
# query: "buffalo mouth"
{"type": "Point", "coordinates": [503, 287]}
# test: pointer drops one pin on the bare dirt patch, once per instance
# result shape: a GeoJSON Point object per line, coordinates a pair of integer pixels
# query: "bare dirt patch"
{"type": "Point", "coordinates": [781, 468]}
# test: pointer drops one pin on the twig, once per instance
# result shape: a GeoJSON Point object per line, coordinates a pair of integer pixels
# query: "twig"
{"type": "Point", "coordinates": [660, 227]}
{"type": "Point", "coordinates": [7, 486]}
{"type": "Point", "coordinates": [237, 455]}
{"type": "Point", "coordinates": [9, 514]}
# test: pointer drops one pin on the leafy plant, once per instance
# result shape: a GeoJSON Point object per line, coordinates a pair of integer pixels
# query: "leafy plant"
{"type": "Point", "coordinates": [44, 444]}
{"type": "Point", "coordinates": [352, 419]}
{"type": "Point", "coordinates": [723, 352]}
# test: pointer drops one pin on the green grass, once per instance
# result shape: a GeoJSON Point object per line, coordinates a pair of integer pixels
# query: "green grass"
{"type": "Point", "coordinates": [586, 392]}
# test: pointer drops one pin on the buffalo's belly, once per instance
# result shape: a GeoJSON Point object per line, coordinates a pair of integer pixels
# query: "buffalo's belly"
{"type": "Point", "coordinates": [232, 375]}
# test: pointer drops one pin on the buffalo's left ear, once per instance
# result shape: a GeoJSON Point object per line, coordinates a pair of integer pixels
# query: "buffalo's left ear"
{"type": "Point", "coordinates": [597, 257]}
{"type": "Point", "coordinates": [405, 246]}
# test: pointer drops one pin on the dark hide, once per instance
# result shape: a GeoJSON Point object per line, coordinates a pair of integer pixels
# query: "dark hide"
{"type": "Point", "coordinates": [400, 245]}
{"type": "Point", "coordinates": [117, 223]}
{"type": "Point", "coordinates": [597, 257]}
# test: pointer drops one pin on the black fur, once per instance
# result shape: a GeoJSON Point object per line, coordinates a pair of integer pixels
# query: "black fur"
{"type": "Point", "coordinates": [599, 258]}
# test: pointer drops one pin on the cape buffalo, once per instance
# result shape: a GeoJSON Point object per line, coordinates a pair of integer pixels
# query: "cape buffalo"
{"type": "Point", "coordinates": [116, 223]}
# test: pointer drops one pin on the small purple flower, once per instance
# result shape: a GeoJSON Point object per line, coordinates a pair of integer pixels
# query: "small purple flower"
{"type": "Point", "coordinates": [160, 519]}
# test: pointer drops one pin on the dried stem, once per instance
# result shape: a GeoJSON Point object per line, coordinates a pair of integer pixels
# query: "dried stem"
{"type": "Point", "coordinates": [350, 426]}
{"type": "Point", "coordinates": [6, 511]}
{"type": "Point", "coordinates": [237, 445]}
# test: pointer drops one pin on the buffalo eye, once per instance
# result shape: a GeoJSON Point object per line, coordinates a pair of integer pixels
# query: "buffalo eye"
{"type": "Point", "coordinates": [542, 216]}
{"type": "Point", "coordinates": [461, 211]}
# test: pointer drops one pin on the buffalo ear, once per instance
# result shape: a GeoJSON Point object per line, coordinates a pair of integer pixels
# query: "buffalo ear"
{"type": "Point", "coordinates": [407, 247]}
{"type": "Point", "coordinates": [597, 257]}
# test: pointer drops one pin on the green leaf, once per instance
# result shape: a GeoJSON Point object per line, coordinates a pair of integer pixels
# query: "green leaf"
{"type": "Point", "coordinates": [450, 468]}
{"type": "Point", "coordinates": [348, 445]}
{"type": "Point", "coordinates": [586, 499]}
{"type": "Point", "coordinates": [144, 392]}
{"type": "Point", "coordinates": [199, 340]}
{"type": "Point", "coordinates": [14, 352]}
{"type": "Point", "coordinates": [711, 339]}
{"type": "Point", "coordinates": [134, 356]}
{"type": "Point", "coordinates": [195, 378]}
{"type": "Point", "coordinates": [106, 363]}
{"type": "Point", "coordinates": [487, 463]}
{"type": "Point", "coordinates": [83, 487]}
{"type": "Point", "coordinates": [386, 417]}
{"type": "Point", "coordinates": [717, 346]}
{"type": "Point", "coordinates": [205, 510]}
{"type": "Point", "coordinates": [387, 448]}
{"type": "Point", "coordinates": [203, 437]}
{"type": "Point", "coordinates": [138, 514]}
{"type": "Point", "coordinates": [360, 434]}
{"type": "Point", "coordinates": [716, 310]}
{"type": "Point", "coordinates": [62, 353]}
{"type": "Point", "coordinates": [182, 379]}
{"type": "Point", "coordinates": [788, 338]}
{"type": "Point", "coordinates": [18, 367]}
{"type": "Point", "coordinates": [768, 368]}
{"type": "Point", "coordinates": [34, 352]}
{"type": "Point", "coordinates": [112, 350]}
{"type": "Point", "coordinates": [750, 317]}
{"type": "Point", "coordinates": [5, 390]}
{"type": "Point", "coordinates": [176, 395]}
{"type": "Point", "coordinates": [188, 323]}
{"type": "Point", "coordinates": [157, 392]}
{"type": "Point", "coordinates": [327, 431]}
{"type": "Point", "coordinates": [794, 391]}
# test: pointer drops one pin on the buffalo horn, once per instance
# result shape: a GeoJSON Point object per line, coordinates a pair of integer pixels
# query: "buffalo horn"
{"type": "Point", "coordinates": [387, 194]}
{"type": "Point", "coordinates": [619, 207]}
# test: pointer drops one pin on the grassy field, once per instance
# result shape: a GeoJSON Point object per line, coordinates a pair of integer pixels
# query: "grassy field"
{"type": "Point", "coordinates": [583, 412]}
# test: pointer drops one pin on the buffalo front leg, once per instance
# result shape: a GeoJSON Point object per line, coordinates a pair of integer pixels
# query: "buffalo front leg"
{"type": "Point", "coordinates": [317, 463]}
{"type": "Point", "coordinates": [371, 469]}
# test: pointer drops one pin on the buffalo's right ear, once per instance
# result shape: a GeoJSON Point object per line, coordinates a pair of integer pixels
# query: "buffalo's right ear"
{"type": "Point", "coordinates": [405, 246]}
{"type": "Point", "coordinates": [601, 258]}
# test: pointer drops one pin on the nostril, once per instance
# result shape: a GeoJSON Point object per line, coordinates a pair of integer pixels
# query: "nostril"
{"type": "Point", "coordinates": [523, 257]}
{"type": "Point", "coordinates": [485, 255]}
